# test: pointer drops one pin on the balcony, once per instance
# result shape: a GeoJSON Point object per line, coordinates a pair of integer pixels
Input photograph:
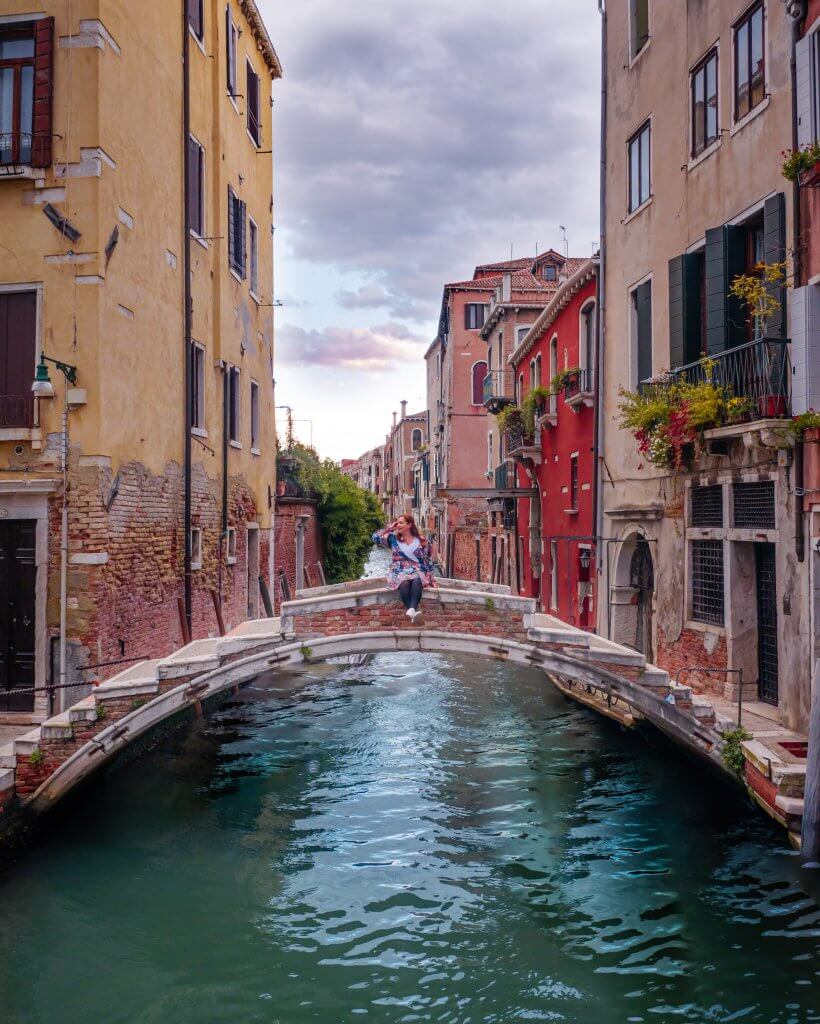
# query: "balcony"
{"type": "Point", "coordinates": [17, 411]}
{"type": "Point", "coordinates": [499, 390]}
{"type": "Point", "coordinates": [760, 371]}
{"type": "Point", "coordinates": [521, 446]}
{"type": "Point", "coordinates": [579, 389]}
{"type": "Point", "coordinates": [15, 154]}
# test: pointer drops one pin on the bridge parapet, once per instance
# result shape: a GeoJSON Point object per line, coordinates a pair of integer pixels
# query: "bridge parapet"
{"type": "Point", "coordinates": [377, 583]}
{"type": "Point", "coordinates": [456, 609]}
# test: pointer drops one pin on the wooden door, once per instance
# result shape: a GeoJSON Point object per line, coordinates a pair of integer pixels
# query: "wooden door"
{"type": "Point", "coordinates": [18, 576]}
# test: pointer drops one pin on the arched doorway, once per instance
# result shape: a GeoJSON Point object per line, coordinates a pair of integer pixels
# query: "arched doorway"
{"type": "Point", "coordinates": [632, 594]}
{"type": "Point", "coordinates": [642, 581]}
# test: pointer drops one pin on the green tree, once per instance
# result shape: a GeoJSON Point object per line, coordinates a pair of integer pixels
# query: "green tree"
{"type": "Point", "coordinates": [347, 514]}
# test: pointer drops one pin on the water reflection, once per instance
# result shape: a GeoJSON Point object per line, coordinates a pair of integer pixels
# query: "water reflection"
{"type": "Point", "coordinates": [417, 839]}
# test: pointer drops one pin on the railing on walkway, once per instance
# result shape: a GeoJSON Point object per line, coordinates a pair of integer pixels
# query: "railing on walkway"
{"type": "Point", "coordinates": [760, 371]}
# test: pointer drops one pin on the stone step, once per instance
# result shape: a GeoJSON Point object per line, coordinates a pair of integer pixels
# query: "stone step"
{"type": "Point", "coordinates": [655, 679]}
{"type": "Point", "coordinates": [249, 635]}
{"type": "Point", "coordinates": [57, 728]}
{"type": "Point", "coordinates": [84, 710]}
{"type": "Point", "coordinates": [6, 779]}
{"type": "Point", "coordinates": [8, 759]}
{"type": "Point", "coordinates": [193, 659]}
{"type": "Point", "coordinates": [137, 681]}
{"type": "Point", "coordinates": [27, 743]}
{"type": "Point", "coordinates": [702, 710]}
{"type": "Point", "coordinates": [791, 806]}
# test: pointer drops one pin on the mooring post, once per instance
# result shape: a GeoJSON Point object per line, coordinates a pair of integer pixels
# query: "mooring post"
{"type": "Point", "coordinates": [810, 841]}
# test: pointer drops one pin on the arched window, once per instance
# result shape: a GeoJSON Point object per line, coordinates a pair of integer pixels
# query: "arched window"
{"type": "Point", "coordinates": [520, 395]}
{"type": "Point", "coordinates": [538, 370]}
{"type": "Point", "coordinates": [490, 466]}
{"type": "Point", "coordinates": [532, 374]}
{"type": "Point", "coordinates": [587, 338]}
{"type": "Point", "coordinates": [479, 373]}
{"type": "Point", "coordinates": [416, 439]}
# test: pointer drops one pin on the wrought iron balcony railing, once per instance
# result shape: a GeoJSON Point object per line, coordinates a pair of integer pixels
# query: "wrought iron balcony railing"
{"type": "Point", "coordinates": [760, 371]}
{"type": "Point", "coordinates": [17, 411]}
{"type": "Point", "coordinates": [499, 390]}
{"type": "Point", "coordinates": [580, 383]}
{"type": "Point", "coordinates": [15, 148]}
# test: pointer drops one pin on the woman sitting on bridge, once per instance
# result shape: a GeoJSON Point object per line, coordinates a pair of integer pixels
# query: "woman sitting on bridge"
{"type": "Point", "coordinates": [411, 571]}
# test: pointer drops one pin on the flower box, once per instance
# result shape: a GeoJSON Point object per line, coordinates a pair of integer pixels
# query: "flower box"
{"type": "Point", "coordinates": [810, 177]}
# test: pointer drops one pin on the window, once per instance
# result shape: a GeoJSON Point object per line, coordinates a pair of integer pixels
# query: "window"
{"type": "Point", "coordinates": [197, 386]}
{"type": "Point", "coordinates": [252, 106]}
{"type": "Point", "coordinates": [254, 416]}
{"type": "Point", "coordinates": [638, 26]}
{"type": "Point", "coordinates": [490, 464]}
{"type": "Point", "coordinates": [707, 581]}
{"type": "Point", "coordinates": [588, 336]}
{"type": "Point", "coordinates": [706, 506]}
{"type": "Point", "coordinates": [753, 505]}
{"type": "Point", "coordinates": [639, 183]}
{"type": "Point", "coordinates": [196, 18]}
{"type": "Point", "coordinates": [236, 233]}
{"type": "Point", "coordinates": [18, 355]}
{"type": "Point", "coordinates": [750, 62]}
{"type": "Point", "coordinates": [16, 94]}
{"type": "Point", "coordinates": [196, 547]}
{"type": "Point", "coordinates": [231, 545]}
{"type": "Point", "coordinates": [532, 374]}
{"type": "Point", "coordinates": [520, 334]}
{"type": "Point", "coordinates": [573, 483]}
{"type": "Point", "coordinates": [705, 103]}
{"type": "Point", "coordinates": [553, 374]}
{"type": "Point", "coordinates": [231, 39]}
{"type": "Point", "coordinates": [474, 316]}
{"type": "Point", "coordinates": [538, 370]}
{"type": "Point", "coordinates": [253, 235]}
{"type": "Point", "coordinates": [479, 373]}
{"type": "Point", "coordinates": [520, 395]}
{"type": "Point", "coordinates": [550, 272]}
{"type": "Point", "coordinates": [416, 440]}
{"type": "Point", "coordinates": [233, 404]}
{"type": "Point", "coordinates": [196, 187]}
{"type": "Point", "coordinates": [641, 330]}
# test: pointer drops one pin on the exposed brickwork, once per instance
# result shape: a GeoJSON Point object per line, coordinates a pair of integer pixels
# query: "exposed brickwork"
{"type": "Point", "coordinates": [687, 652]}
{"type": "Point", "coordinates": [288, 513]}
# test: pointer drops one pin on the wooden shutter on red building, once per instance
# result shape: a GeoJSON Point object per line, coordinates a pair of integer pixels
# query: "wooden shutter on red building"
{"type": "Point", "coordinates": [43, 92]}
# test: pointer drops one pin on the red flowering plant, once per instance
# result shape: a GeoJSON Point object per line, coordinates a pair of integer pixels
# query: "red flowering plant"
{"type": "Point", "coordinates": [667, 418]}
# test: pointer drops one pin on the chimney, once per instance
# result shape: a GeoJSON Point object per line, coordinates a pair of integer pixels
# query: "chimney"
{"type": "Point", "coordinates": [403, 408]}
{"type": "Point", "coordinates": [394, 421]}
{"type": "Point", "coordinates": [506, 287]}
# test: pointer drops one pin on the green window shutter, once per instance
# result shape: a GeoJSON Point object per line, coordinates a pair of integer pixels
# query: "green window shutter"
{"type": "Point", "coordinates": [725, 316]}
{"type": "Point", "coordinates": [685, 339]}
{"type": "Point", "coordinates": [643, 309]}
{"type": "Point", "coordinates": [774, 251]}
{"type": "Point", "coordinates": [737, 316]}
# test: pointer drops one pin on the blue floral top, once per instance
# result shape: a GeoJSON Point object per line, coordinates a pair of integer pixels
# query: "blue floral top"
{"type": "Point", "coordinates": [404, 568]}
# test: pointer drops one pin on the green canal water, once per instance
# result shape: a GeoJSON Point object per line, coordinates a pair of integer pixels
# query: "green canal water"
{"type": "Point", "coordinates": [422, 838]}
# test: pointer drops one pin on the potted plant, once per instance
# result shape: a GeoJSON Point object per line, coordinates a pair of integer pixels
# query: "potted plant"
{"type": "Point", "coordinates": [806, 428]}
{"type": "Point", "coordinates": [802, 165]}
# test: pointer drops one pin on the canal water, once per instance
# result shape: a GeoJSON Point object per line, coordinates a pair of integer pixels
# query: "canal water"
{"type": "Point", "coordinates": [422, 838]}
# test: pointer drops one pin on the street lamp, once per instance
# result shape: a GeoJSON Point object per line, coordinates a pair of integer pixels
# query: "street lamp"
{"type": "Point", "coordinates": [43, 388]}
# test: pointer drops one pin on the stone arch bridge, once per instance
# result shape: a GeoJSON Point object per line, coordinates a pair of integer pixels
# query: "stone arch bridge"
{"type": "Point", "coordinates": [40, 767]}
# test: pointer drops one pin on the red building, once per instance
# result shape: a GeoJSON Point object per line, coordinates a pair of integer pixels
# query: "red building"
{"type": "Point", "coordinates": [556, 530]}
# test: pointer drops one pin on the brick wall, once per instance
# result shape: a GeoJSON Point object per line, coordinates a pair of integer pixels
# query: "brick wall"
{"type": "Point", "coordinates": [288, 512]}
{"type": "Point", "coordinates": [688, 651]}
{"type": "Point", "coordinates": [126, 550]}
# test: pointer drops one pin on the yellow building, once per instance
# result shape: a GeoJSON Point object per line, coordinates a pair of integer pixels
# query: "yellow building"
{"type": "Point", "coordinates": [110, 115]}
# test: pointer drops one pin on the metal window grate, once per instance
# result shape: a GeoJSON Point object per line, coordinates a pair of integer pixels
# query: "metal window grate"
{"type": "Point", "coordinates": [707, 581]}
{"type": "Point", "coordinates": [754, 505]}
{"type": "Point", "coordinates": [707, 506]}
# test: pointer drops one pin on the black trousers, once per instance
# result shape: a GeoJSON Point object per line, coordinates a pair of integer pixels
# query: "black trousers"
{"type": "Point", "coordinates": [410, 592]}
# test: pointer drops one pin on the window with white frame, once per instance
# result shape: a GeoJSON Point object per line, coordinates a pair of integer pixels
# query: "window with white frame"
{"type": "Point", "coordinates": [196, 187]}
{"type": "Point", "coordinates": [750, 61]}
{"type": "Point", "coordinates": [253, 245]}
{"type": "Point", "coordinates": [196, 547]}
{"type": "Point", "coordinates": [416, 439]}
{"type": "Point", "coordinates": [704, 103]}
{"type": "Point", "coordinates": [254, 416]}
{"type": "Point", "coordinates": [639, 166]}
{"type": "Point", "coordinates": [587, 339]}
{"type": "Point", "coordinates": [538, 370]}
{"type": "Point", "coordinates": [231, 38]}
{"type": "Point", "coordinates": [196, 18]}
{"type": "Point", "coordinates": [252, 105]}
{"type": "Point", "coordinates": [474, 314]}
{"type": "Point", "coordinates": [638, 26]}
{"type": "Point", "coordinates": [553, 373]}
{"type": "Point", "coordinates": [237, 255]}
{"type": "Point", "coordinates": [197, 386]}
{"type": "Point", "coordinates": [234, 404]}
{"type": "Point", "coordinates": [520, 334]}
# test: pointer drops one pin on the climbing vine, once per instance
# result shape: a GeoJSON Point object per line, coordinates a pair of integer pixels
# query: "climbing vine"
{"type": "Point", "coordinates": [732, 751]}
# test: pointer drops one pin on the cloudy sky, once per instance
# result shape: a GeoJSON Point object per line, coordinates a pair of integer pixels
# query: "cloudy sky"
{"type": "Point", "coordinates": [413, 141]}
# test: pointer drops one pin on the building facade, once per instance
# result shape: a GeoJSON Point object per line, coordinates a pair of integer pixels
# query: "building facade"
{"type": "Point", "coordinates": [143, 271]}
{"type": "Point", "coordinates": [703, 562]}
{"type": "Point", "coordinates": [556, 526]}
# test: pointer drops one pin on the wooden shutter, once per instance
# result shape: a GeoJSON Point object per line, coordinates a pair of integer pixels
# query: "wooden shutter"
{"type": "Point", "coordinates": [725, 316]}
{"type": "Point", "coordinates": [804, 98]}
{"type": "Point", "coordinates": [684, 310]}
{"type": "Point", "coordinates": [243, 230]}
{"type": "Point", "coordinates": [643, 310]}
{"type": "Point", "coordinates": [41, 142]}
{"type": "Point", "coordinates": [193, 198]}
{"type": "Point", "coordinates": [18, 340]}
{"type": "Point", "coordinates": [230, 51]}
{"type": "Point", "coordinates": [774, 251]}
{"type": "Point", "coordinates": [466, 316]}
{"type": "Point", "coordinates": [231, 229]}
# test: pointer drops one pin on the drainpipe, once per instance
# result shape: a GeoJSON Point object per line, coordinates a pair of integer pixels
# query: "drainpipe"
{"type": "Point", "coordinates": [223, 534]}
{"type": "Point", "coordinates": [186, 272]}
{"type": "Point", "coordinates": [598, 442]}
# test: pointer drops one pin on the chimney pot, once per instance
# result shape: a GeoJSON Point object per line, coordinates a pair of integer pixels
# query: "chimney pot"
{"type": "Point", "coordinates": [403, 408]}
{"type": "Point", "coordinates": [506, 287]}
